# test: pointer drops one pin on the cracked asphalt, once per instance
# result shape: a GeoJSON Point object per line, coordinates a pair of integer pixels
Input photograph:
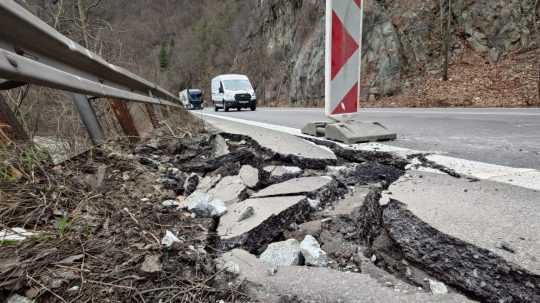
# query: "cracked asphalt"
{"type": "Point", "coordinates": [509, 137]}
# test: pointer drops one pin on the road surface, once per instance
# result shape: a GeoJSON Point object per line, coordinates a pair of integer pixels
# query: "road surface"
{"type": "Point", "coordinates": [509, 137]}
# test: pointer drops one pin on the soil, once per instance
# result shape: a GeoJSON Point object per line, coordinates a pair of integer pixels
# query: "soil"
{"type": "Point", "coordinates": [94, 238]}
{"type": "Point", "coordinates": [473, 82]}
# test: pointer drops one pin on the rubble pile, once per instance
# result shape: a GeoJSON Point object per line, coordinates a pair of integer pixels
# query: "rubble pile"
{"type": "Point", "coordinates": [203, 217]}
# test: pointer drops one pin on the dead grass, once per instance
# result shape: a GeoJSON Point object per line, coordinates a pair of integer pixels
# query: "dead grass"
{"type": "Point", "coordinates": [91, 239]}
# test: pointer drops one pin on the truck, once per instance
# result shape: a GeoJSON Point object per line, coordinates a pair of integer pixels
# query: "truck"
{"type": "Point", "coordinates": [233, 91]}
{"type": "Point", "coordinates": [191, 98]}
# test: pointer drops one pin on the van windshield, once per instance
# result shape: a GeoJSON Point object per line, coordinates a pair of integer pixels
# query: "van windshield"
{"type": "Point", "coordinates": [237, 85]}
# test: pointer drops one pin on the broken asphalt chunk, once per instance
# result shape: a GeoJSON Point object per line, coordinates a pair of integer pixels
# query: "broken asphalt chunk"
{"type": "Point", "coordinates": [230, 190]}
{"type": "Point", "coordinates": [270, 217]}
{"type": "Point", "coordinates": [282, 173]}
{"type": "Point", "coordinates": [322, 188]}
{"type": "Point", "coordinates": [250, 176]}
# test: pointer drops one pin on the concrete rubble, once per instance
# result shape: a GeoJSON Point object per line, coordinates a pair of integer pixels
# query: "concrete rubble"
{"type": "Point", "coordinates": [312, 252]}
{"type": "Point", "coordinates": [365, 228]}
{"type": "Point", "coordinates": [285, 253]}
{"type": "Point", "coordinates": [205, 205]}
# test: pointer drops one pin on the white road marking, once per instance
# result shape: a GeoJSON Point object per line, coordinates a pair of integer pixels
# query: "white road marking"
{"type": "Point", "coordinates": [508, 112]}
{"type": "Point", "coordinates": [522, 177]}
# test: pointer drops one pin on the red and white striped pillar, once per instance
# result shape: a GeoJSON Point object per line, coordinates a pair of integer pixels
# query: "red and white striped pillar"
{"type": "Point", "coordinates": [343, 56]}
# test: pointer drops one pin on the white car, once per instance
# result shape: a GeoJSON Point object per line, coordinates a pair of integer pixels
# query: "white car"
{"type": "Point", "coordinates": [233, 91]}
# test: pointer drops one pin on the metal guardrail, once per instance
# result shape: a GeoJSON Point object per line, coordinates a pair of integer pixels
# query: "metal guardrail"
{"type": "Point", "coordinates": [32, 52]}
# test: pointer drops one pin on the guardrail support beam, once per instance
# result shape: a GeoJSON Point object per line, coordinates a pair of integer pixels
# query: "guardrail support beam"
{"type": "Point", "coordinates": [121, 111]}
{"type": "Point", "coordinates": [88, 116]}
{"type": "Point", "coordinates": [152, 114]}
{"type": "Point", "coordinates": [9, 124]}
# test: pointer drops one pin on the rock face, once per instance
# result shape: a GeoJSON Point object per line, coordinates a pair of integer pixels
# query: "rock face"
{"type": "Point", "coordinates": [286, 253]}
{"type": "Point", "coordinates": [403, 36]}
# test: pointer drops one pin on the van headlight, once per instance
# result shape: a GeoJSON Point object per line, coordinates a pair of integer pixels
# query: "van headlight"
{"type": "Point", "coordinates": [253, 97]}
{"type": "Point", "coordinates": [229, 96]}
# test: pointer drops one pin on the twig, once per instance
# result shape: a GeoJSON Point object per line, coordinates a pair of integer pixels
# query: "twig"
{"type": "Point", "coordinates": [47, 289]}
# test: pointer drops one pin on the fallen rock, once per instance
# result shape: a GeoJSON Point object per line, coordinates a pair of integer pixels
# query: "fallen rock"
{"type": "Point", "coordinates": [208, 182]}
{"type": "Point", "coordinates": [437, 288]}
{"type": "Point", "coordinates": [270, 217]}
{"type": "Point", "coordinates": [285, 253]}
{"type": "Point", "coordinates": [230, 190]}
{"type": "Point", "coordinates": [279, 174]}
{"type": "Point", "coordinates": [18, 299]}
{"type": "Point", "coordinates": [321, 188]}
{"type": "Point", "coordinates": [312, 252]}
{"type": "Point", "coordinates": [151, 264]}
{"type": "Point", "coordinates": [205, 205]}
{"type": "Point", "coordinates": [169, 239]}
{"type": "Point", "coordinates": [250, 176]}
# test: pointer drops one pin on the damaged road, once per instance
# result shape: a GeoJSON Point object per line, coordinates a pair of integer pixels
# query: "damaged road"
{"type": "Point", "coordinates": [243, 215]}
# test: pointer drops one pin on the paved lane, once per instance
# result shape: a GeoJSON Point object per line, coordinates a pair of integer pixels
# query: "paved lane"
{"type": "Point", "coordinates": [509, 137]}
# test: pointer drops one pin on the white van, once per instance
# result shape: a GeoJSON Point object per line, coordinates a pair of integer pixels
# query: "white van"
{"type": "Point", "coordinates": [233, 91]}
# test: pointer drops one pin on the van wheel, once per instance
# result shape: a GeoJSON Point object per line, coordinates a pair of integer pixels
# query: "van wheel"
{"type": "Point", "coordinates": [253, 108]}
{"type": "Point", "coordinates": [215, 107]}
{"type": "Point", "coordinates": [225, 107]}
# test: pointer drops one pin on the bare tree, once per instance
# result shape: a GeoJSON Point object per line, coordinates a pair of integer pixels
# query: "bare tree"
{"type": "Point", "coordinates": [445, 32]}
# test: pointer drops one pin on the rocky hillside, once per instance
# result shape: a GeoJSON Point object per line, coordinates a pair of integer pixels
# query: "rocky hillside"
{"type": "Point", "coordinates": [280, 43]}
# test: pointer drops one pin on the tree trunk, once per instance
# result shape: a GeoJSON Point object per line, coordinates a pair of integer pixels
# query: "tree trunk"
{"type": "Point", "coordinates": [446, 35]}
{"type": "Point", "coordinates": [83, 20]}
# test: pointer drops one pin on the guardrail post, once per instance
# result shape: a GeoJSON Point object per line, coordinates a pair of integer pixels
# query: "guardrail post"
{"type": "Point", "coordinates": [152, 114]}
{"type": "Point", "coordinates": [88, 116]}
{"type": "Point", "coordinates": [9, 124]}
{"type": "Point", "coordinates": [121, 111]}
